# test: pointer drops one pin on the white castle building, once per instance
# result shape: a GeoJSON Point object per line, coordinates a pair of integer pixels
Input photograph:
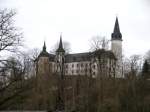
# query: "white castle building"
{"type": "Point", "coordinates": [106, 62]}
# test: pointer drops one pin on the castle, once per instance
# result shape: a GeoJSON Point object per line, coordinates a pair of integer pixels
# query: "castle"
{"type": "Point", "coordinates": [108, 62]}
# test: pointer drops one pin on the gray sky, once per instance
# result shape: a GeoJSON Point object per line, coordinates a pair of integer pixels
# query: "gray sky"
{"type": "Point", "coordinates": [80, 20]}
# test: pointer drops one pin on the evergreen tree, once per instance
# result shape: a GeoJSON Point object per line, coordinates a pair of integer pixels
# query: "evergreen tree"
{"type": "Point", "coordinates": [146, 69]}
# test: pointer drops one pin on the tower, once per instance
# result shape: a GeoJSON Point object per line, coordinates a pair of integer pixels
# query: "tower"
{"type": "Point", "coordinates": [60, 56]}
{"type": "Point", "coordinates": [116, 47]}
{"type": "Point", "coordinates": [60, 60]}
{"type": "Point", "coordinates": [43, 62]}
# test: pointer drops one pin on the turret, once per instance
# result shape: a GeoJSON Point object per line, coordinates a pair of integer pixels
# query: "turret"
{"type": "Point", "coordinates": [116, 47]}
{"type": "Point", "coordinates": [60, 48]}
{"type": "Point", "coordinates": [44, 53]}
{"type": "Point", "coordinates": [42, 65]}
{"type": "Point", "coordinates": [60, 56]}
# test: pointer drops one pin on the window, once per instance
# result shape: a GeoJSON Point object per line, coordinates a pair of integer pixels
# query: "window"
{"type": "Point", "coordinates": [66, 71]}
{"type": "Point", "coordinates": [66, 66]}
{"type": "Point", "coordinates": [77, 65]}
{"type": "Point", "coordinates": [85, 70]}
{"type": "Point", "coordinates": [94, 66]}
{"type": "Point", "coordinates": [74, 59]}
{"type": "Point", "coordinates": [77, 71]}
{"type": "Point", "coordinates": [72, 65]}
{"type": "Point", "coordinates": [86, 65]}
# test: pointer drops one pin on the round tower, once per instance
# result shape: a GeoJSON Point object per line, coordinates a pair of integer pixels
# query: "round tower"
{"type": "Point", "coordinates": [116, 47]}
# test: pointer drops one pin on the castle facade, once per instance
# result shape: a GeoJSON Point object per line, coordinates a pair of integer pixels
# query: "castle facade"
{"type": "Point", "coordinates": [101, 61]}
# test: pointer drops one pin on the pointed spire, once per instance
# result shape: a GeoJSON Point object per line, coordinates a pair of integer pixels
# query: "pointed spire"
{"type": "Point", "coordinates": [44, 53]}
{"type": "Point", "coordinates": [116, 28]}
{"type": "Point", "coordinates": [44, 47]}
{"type": "Point", "coordinates": [60, 43]}
{"type": "Point", "coordinates": [60, 48]}
{"type": "Point", "coordinates": [116, 35]}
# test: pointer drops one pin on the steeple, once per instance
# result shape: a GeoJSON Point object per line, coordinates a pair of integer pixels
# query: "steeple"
{"type": "Point", "coordinates": [116, 47]}
{"type": "Point", "coordinates": [44, 47]}
{"type": "Point", "coordinates": [60, 48]}
{"type": "Point", "coordinates": [44, 53]}
{"type": "Point", "coordinates": [116, 35]}
{"type": "Point", "coordinates": [60, 43]}
{"type": "Point", "coordinates": [116, 28]}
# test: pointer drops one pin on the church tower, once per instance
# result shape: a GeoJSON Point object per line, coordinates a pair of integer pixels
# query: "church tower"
{"type": "Point", "coordinates": [60, 57]}
{"type": "Point", "coordinates": [60, 61]}
{"type": "Point", "coordinates": [43, 62]}
{"type": "Point", "coordinates": [42, 67]}
{"type": "Point", "coordinates": [116, 47]}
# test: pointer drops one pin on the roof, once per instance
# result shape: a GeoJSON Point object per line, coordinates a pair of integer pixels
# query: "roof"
{"type": "Point", "coordinates": [116, 35]}
{"type": "Point", "coordinates": [104, 53]}
{"type": "Point", "coordinates": [78, 57]}
{"type": "Point", "coordinates": [60, 48]}
{"type": "Point", "coordinates": [44, 53]}
{"type": "Point", "coordinates": [52, 57]}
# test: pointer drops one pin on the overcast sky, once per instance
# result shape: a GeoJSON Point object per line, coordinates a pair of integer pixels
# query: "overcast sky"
{"type": "Point", "coordinates": [80, 20]}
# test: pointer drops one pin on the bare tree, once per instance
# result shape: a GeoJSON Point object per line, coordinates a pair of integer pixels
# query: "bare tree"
{"type": "Point", "coordinates": [126, 65]}
{"type": "Point", "coordinates": [99, 42]}
{"type": "Point", "coordinates": [135, 63]}
{"type": "Point", "coordinates": [132, 66]}
{"type": "Point", "coordinates": [10, 37]}
{"type": "Point", "coordinates": [33, 54]}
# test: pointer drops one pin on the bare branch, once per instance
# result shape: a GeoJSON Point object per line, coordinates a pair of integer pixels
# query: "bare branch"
{"type": "Point", "coordinates": [10, 38]}
{"type": "Point", "coordinates": [99, 42]}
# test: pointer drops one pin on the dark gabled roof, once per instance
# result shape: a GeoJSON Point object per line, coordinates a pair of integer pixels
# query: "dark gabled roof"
{"type": "Point", "coordinates": [116, 35]}
{"type": "Point", "coordinates": [104, 54]}
{"type": "Point", "coordinates": [78, 57]}
{"type": "Point", "coordinates": [52, 57]}
{"type": "Point", "coordinates": [44, 53]}
{"type": "Point", "coordinates": [111, 55]}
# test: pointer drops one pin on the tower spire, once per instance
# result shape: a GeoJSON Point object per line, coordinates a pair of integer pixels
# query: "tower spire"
{"type": "Point", "coordinates": [60, 48]}
{"type": "Point", "coordinates": [44, 53]}
{"type": "Point", "coordinates": [60, 42]}
{"type": "Point", "coordinates": [44, 47]}
{"type": "Point", "coordinates": [116, 28]}
{"type": "Point", "coordinates": [116, 35]}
